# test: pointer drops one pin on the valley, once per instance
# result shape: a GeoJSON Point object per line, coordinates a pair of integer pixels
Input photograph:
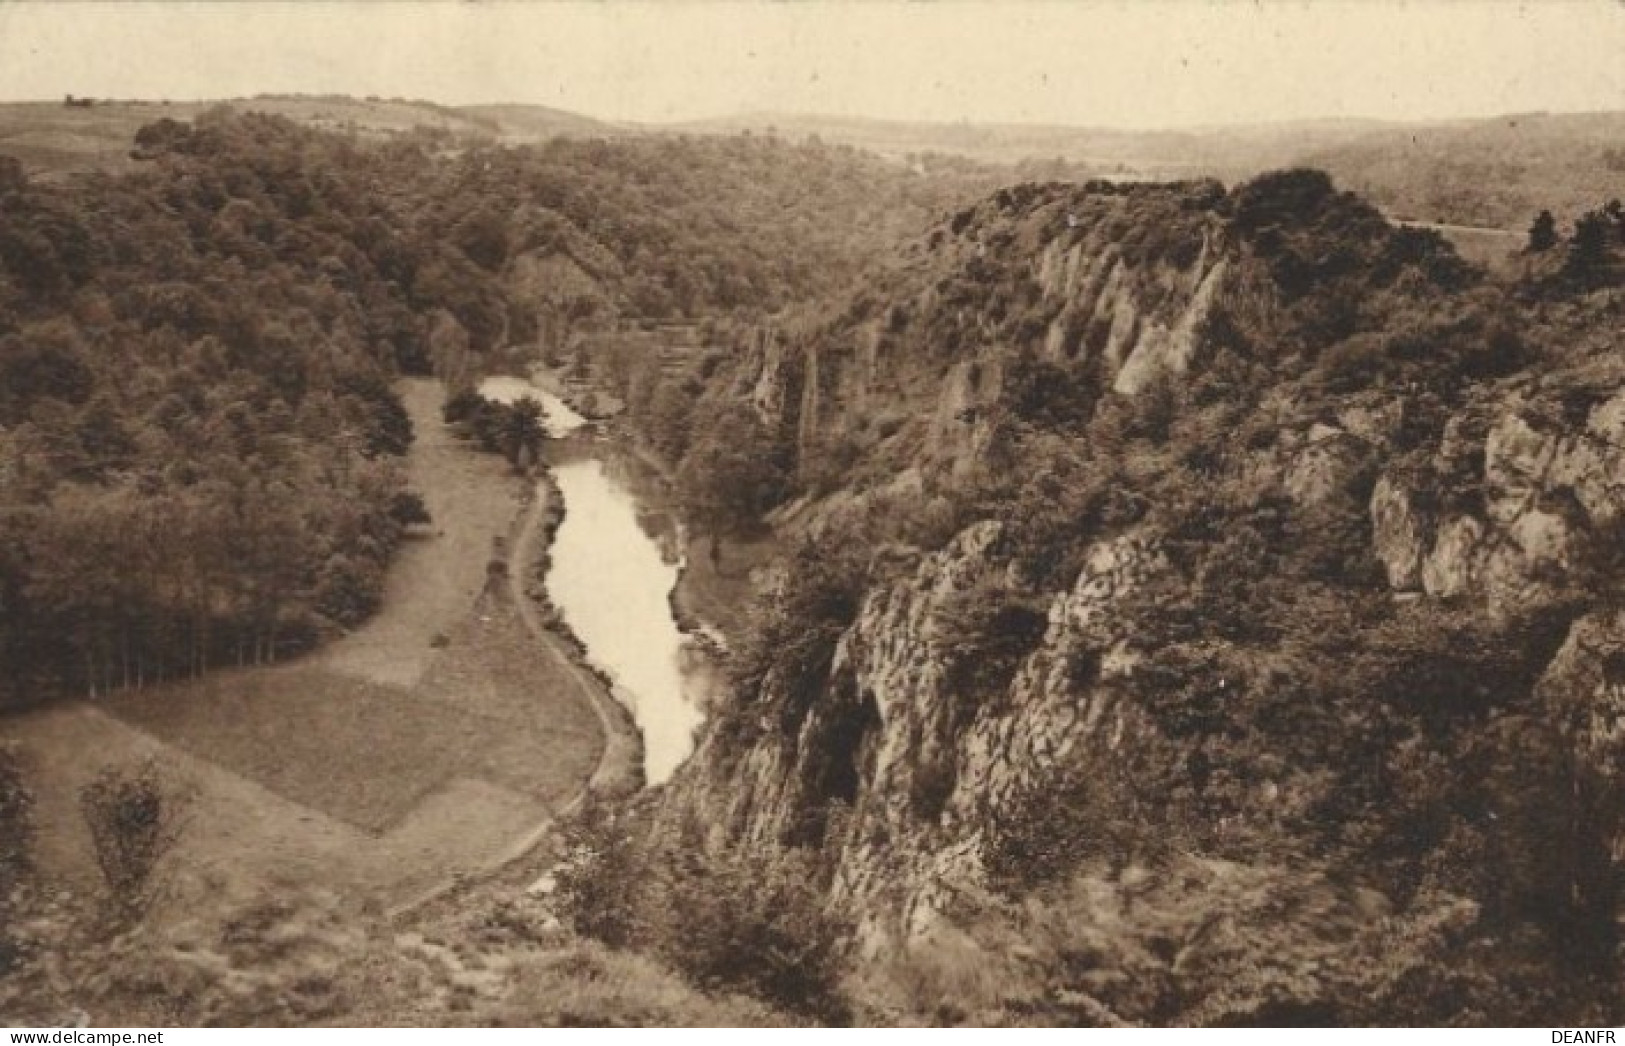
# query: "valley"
{"type": "Point", "coordinates": [420, 748]}
{"type": "Point", "coordinates": [899, 592]}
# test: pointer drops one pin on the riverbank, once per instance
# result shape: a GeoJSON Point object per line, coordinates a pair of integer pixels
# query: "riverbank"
{"type": "Point", "coordinates": [608, 580]}
{"type": "Point", "coordinates": [620, 762]}
{"type": "Point", "coordinates": [423, 747]}
{"type": "Point", "coordinates": [714, 596]}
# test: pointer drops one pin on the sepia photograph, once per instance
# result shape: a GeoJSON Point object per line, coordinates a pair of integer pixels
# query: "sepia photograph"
{"type": "Point", "coordinates": [812, 514]}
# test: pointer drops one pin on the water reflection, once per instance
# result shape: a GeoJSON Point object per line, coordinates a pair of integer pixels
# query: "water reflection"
{"type": "Point", "coordinates": [612, 582]}
{"type": "Point", "coordinates": [561, 419]}
{"type": "Point", "coordinates": [615, 564]}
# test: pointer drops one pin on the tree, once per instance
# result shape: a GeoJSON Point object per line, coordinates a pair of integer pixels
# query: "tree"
{"type": "Point", "coordinates": [732, 474]}
{"type": "Point", "coordinates": [525, 424]}
{"type": "Point", "coordinates": [134, 820]}
{"type": "Point", "coordinates": [483, 236]}
{"type": "Point", "coordinates": [1542, 233]}
{"type": "Point", "coordinates": [408, 509]}
{"type": "Point", "coordinates": [1588, 251]}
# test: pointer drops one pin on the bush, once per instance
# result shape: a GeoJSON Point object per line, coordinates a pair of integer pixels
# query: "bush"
{"type": "Point", "coordinates": [744, 922]}
{"type": "Point", "coordinates": [732, 921]}
{"type": "Point", "coordinates": [134, 820]}
{"type": "Point", "coordinates": [1055, 824]}
{"type": "Point", "coordinates": [984, 635]}
{"type": "Point", "coordinates": [788, 655]}
{"type": "Point", "coordinates": [601, 882]}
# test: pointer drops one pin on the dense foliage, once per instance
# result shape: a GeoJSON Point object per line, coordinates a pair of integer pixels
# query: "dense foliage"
{"type": "Point", "coordinates": [745, 921]}
{"type": "Point", "coordinates": [198, 435]}
{"type": "Point", "coordinates": [665, 228]}
{"type": "Point", "coordinates": [197, 430]}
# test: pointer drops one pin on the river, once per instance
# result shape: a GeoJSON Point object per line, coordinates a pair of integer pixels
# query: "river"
{"type": "Point", "coordinates": [613, 570]}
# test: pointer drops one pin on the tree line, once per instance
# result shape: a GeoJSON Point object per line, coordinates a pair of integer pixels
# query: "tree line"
{"type": "Point", "coordinates": [199, 442]}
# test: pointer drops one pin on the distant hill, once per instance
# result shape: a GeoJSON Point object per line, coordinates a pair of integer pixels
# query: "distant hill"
{"type": "Point", "coordinates": [1495, 173]}
{"type": "Point", "coordinates": [1150, 153]}
{"type": "Point", "coordinates": [55, 137]}
{"type": "Point", "coordinates": [1498, 172]}
{"type": "Point", "coordinates": [540, 121]}
{"type": "Point", "coordinates": [48, 136]}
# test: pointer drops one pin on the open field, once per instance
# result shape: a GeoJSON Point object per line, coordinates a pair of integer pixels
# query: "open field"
{"type": "Point", "coordinates": [434, 581]}
{"type": "Point", "coordinates": [367, 753]}
{"type": "Point", "coordinates": [378, 767]}
{"type": "Point", "coordinates": [48, 136]}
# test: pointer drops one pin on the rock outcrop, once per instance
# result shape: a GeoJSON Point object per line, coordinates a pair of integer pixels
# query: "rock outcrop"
{"type": "Point", "coordinates": [1276, 607]}
{"type": "Point", "coordinates": [1548, 496]}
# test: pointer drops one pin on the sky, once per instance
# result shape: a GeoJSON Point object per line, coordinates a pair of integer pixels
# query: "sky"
{"type": "Point", "coordinates": [1150, 64]}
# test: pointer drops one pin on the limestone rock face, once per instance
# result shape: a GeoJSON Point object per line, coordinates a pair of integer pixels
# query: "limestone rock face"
{"type": "Point", "coordinates": [1326, 467]}
{"type": "Point", "coordinates": [1401, 533]}
{"type": "Point", "coordinates": [1547, 495]}
{"type": "Point", "coordinates": [934, 358]}
{"type": "Point", "coordinates": [1448, 569]}
{"type": "Point", "coordinates": [1585, 685]}
{"type": "Point", "coordinates": [1495, 500]}
{"type": "Point", "coordinates": [1584, 690]}
{"type": "Point", "coordinates": [961, 426]}
{"type": "Point", "coordinates": [890, 743]}
{"type": "Point", "coordinates": [768, 389]}
{"type": "Point", "coordinates": [1517, 462]}
{"type": "Point", "coordinates": [1151, 318]}
{"type": "Point", "coordinates": [1159, 349]}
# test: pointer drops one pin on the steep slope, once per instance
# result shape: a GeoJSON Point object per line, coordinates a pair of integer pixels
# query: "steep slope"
{"type": "Point", "coordinates": [1213, 625]}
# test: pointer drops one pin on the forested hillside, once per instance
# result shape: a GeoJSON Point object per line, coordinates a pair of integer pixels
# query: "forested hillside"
{"type": "Point", "coordinates": [197, 430]}
{"type": "Point", "coordinates": [1499, 172]}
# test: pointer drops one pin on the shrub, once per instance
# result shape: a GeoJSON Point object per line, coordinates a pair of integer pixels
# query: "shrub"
{"type": "Point", "coordinates": [984, 635]}
{"type": "Point", "coordinates": [134, 820]}
{"type": "Point", "coordinates": [601, 881]}
{"type": "Point", "coordinates": [749, 921]}
{"type": "Point", "coordinates": [789, 653]}
{"type": "Point", "coordinates": [1353, 364]}
{"type": "Point", "coordinates": [1055, 824]}
{"type": "Point", "coordinates": [745, 922]}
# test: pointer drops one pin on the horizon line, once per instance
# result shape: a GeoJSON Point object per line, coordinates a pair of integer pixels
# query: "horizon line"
{"type": "Point", "coordinates": [745, 115]}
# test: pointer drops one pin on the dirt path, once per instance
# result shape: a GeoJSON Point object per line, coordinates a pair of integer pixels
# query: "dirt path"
{"type": "Point", "coordinates": [434, 744]}
{"type": "Point", "coordinates": [619, 767]}
{"type": "Point", "coordinates": [618, 764]}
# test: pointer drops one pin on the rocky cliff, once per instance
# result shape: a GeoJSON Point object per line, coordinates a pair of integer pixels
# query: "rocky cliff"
{"type": "Point", "coordinates": [1263, 641]}
{"type": "Point", "coordinates": [916, 359]}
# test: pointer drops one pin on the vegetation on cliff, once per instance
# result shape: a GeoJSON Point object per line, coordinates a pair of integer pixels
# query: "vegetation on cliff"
{"type": "Point", "coordinates": [1277, 691]}
{"type": "Point", "coordinates": [1197, 605]}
